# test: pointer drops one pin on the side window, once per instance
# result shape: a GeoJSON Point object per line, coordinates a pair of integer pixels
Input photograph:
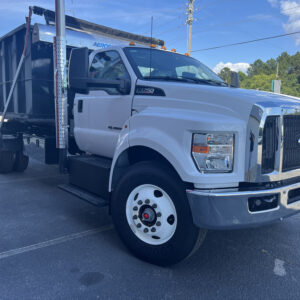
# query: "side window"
{"type": "Point", "coordinates": [108, 65]}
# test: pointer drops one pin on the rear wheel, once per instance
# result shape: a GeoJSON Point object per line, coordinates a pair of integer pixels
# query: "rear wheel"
{"type": "Point", "coordinates": [152, 215]}
{"type": "Point", "coordinates": [7, 160]}
{"type": "Point", "coordinates": [21, 162]}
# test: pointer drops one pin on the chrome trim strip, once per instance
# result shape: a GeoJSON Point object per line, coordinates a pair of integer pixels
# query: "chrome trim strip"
{"type": "Point", "coordinates": [282, 190]}
{"type": "Point", "coordinates": [77, 38]}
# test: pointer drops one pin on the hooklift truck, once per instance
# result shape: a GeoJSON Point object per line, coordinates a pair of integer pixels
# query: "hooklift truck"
{"type": "Point", "coordinates": [154, 134]}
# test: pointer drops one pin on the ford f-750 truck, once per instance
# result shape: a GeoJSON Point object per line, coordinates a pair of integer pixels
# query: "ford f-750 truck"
{"type": "Point", "coordinates": [160, 138]}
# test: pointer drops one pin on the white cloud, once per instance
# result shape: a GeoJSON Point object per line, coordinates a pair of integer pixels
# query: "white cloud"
{"type": "Point", "coordinates": [291, 9]}
{"type": "Point", "coordinates": [273, 3]}
{"type": "Point", "coordinates": [236, 67]}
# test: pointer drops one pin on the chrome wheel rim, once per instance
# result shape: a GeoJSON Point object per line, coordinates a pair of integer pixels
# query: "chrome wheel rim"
{"type": "Point", "coordinates": [151, 214]}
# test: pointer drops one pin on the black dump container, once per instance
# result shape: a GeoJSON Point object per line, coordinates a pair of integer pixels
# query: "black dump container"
{"type": "Point", "coordinates": [33, 97]}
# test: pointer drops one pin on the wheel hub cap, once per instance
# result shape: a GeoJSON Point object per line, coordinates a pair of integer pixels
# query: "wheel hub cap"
{"type": "Point", "coordinates": [147, 215]}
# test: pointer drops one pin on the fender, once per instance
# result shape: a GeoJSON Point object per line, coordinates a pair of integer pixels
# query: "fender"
{"type": "Point", "coordinates": [169, 132]}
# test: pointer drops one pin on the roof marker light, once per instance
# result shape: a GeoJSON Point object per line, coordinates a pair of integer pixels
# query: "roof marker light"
{"type": "Point", "coordinates": [163, 48]}
{"type": "Point", "coordinates": [132, 43]}
{"type": "Point", "coordinates": [153, 46]}
{"type": "Point", "coordinates": [173, 50]}
{"type": "Point", "coordinates": [186, 54]}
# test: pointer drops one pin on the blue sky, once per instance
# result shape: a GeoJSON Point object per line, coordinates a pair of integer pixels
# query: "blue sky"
{"type": "Point", "coordinates": [217, 22]}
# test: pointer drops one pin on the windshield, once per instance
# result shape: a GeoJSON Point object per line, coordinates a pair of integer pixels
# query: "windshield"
{"type": "Point", "coordinates": [153, 64]}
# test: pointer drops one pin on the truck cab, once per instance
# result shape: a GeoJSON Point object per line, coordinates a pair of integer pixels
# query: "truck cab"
{"type": "Point", "coordinates": [186, 151]}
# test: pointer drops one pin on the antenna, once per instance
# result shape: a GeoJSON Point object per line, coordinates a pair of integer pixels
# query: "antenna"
{"type": "Point", "coordinates": [151, 28]}
{"type": "Point", "coordinates": [150, 62]}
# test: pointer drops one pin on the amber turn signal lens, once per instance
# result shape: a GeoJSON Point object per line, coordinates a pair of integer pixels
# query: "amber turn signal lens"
{"type": "Point", "coordinates": [200, 149]}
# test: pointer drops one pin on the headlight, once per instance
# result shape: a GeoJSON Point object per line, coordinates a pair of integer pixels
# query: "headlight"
{"type": "Point", "coordinates": [213, 152]}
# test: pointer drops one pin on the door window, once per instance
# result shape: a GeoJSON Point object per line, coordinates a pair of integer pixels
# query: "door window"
{"type": "Point", "coordinates": [108, 66]}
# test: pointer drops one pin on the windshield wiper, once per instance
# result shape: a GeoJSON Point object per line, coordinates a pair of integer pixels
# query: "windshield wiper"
{"type": "Point", "coordinates": [207, 81]}
{"type": "Point", "coordinates": [187, 79]}
{"type": "Point", "coordinates": [168, 78]}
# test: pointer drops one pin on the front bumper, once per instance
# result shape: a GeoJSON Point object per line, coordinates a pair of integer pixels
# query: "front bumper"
{"type": "Point", "coordinates": [229, 210]}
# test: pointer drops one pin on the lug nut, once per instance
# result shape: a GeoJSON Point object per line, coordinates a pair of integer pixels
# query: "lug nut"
{"type": "Point", "coordinates": [140, 202]}
{"type": "Point", "coordinates": [158, 214]}
{"type": "Point", "coordinates": [146, 230]}
{"type": "Point", "coordinates": [147, 201]}
{"type": "Point", "coordinates": [134, 217]}
{"type": "Point", "coordinates": [154, 206]}
{"type": "Point", "coordinates": [135, 208]}
{"type": "Point", "coordinates": [139, 225]}
{"type": "Point", "coordinates": [153, 229]}
{"type": "Point", "coordinates": [158, 223]}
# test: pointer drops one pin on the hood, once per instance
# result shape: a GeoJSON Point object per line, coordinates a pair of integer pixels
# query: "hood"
{"type": "Point", "coordinates": [232, 102]}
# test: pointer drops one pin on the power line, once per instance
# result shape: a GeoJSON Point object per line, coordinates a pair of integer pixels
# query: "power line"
{"type": "Point", "coordinates": [247, 42]}
{"type": "Point", "coordinates": [160, 20]}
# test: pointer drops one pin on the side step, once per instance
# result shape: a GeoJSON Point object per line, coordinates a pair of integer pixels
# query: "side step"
{"type": "Point", "coordinates": [90, 173]}
{"type": "Point", "coordinates": [82, 194]}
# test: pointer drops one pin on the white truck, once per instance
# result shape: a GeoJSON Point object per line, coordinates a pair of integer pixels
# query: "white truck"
{"type": "Point", "coordinates": [174, 151]}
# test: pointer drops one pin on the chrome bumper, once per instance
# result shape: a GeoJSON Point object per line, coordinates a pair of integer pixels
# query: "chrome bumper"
{"type": "Point", "coordinates": [229, 210]}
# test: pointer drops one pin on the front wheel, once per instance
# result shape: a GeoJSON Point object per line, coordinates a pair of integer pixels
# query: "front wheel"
{"type": "Point", "coordinates": [151, 213]}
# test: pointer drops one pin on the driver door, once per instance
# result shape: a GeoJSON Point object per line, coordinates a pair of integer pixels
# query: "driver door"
{"type": "Point", "coordinates": [101, 115]}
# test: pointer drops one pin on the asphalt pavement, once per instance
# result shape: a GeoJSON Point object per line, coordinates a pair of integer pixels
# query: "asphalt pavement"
{"type": "Point", "coordinates": [55, 246]}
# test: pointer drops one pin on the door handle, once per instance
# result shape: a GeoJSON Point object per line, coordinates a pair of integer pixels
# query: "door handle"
{"type": "Point", "coordinates": [80, 106]}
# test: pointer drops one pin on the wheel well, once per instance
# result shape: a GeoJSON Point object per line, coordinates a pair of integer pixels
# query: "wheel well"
{"type": "Point", "coordinates": [137, 154]}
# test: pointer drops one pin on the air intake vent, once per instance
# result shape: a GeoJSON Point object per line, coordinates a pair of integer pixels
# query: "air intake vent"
{"type": "Point", "coordinates": [291, 143]}
{"type": "Point", "coordinates": [270, 144]}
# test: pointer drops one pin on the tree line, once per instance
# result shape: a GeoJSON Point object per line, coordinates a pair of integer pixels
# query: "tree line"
{"type": "Point", "coordinates": [260, 74]}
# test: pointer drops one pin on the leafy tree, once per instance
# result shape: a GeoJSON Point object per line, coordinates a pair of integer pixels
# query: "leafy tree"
{"type": "Point", "coordinates": [225, 74]}
{"type": "Point", "coordinates": [261, 82]}
{"type": "Point", "coordinates": [256, 68]}
{"type": "Point", "coordinates": [260, 74]}
{"type": "Point", "coordinates": [242, 75]}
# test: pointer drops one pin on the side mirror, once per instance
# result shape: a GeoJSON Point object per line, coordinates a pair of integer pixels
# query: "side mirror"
{"type": "Point", "coordinates": [78, 70]}
{"type": "Point", "coordinates": [235, 80]}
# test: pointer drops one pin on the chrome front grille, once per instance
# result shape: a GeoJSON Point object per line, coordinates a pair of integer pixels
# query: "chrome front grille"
{"type": "Point", "coordinates": [277, 156]}
{"type": "Point", "coordinates": [291, 142]}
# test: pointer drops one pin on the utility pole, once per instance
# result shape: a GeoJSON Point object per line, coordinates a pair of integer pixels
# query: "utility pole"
{"type": "Point", "coordinates": [189, 22]}
{"type": "Point", "coordinates": [60, 83]}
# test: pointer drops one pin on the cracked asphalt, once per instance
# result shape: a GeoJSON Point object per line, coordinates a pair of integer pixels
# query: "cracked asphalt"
{"type": "Point", "coordinates": [56, 246]}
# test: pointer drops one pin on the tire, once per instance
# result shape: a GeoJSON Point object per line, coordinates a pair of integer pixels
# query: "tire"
{"type": "Point", "coordinates": [175, 236]}
{"type": "Point", "coordinates": [7, 160]}
{"type": "Point", "coordinates": [21, 162]}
